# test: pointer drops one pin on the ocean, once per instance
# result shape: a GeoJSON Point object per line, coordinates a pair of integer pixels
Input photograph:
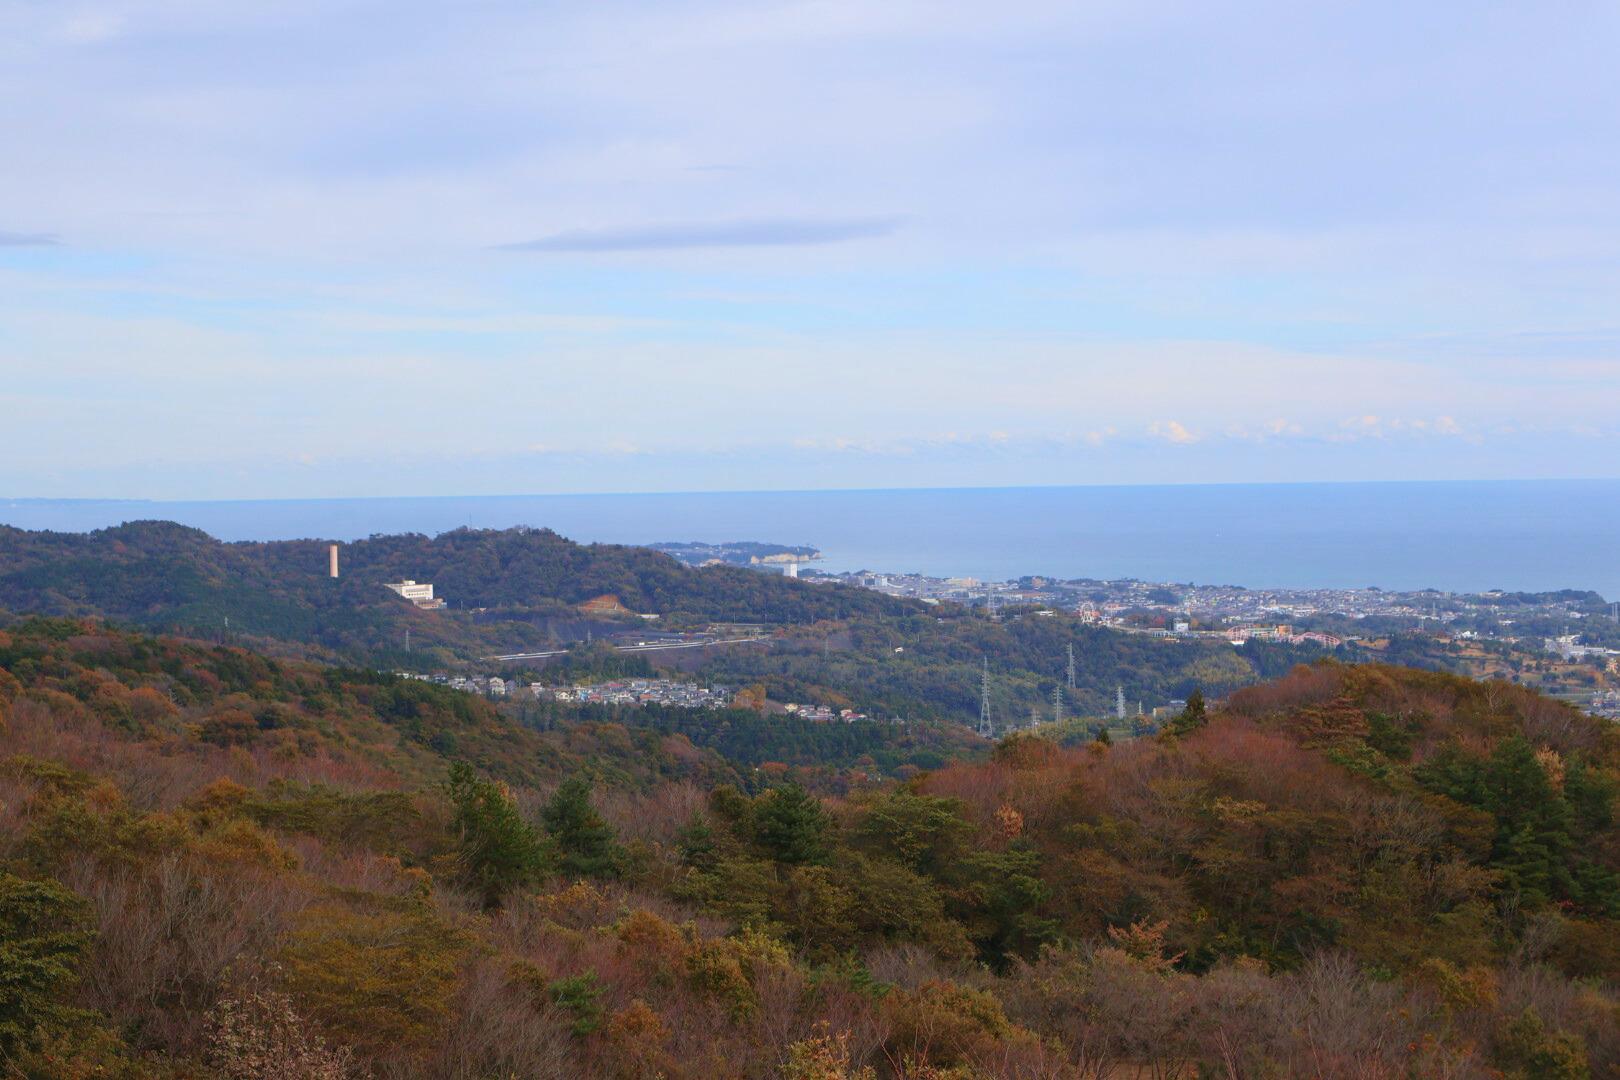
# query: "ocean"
{"type": "Point", "coordinates": [1514, 535]}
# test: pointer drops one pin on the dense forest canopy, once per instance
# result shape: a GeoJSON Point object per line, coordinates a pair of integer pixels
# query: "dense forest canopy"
{"type": "Point", "coordinates": [500, 584]}
{"type": "Point", "coordinates": [213, 863]}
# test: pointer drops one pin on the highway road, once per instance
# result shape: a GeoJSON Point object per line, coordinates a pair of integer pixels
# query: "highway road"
{"type": "Point", "coordinates": [651, 647]}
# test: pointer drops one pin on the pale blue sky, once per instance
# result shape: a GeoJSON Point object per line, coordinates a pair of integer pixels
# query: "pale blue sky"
{"type": "Point", "coordinates": [344, 247]}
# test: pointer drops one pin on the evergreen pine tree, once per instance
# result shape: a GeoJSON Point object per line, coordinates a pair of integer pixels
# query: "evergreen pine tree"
{"type": "Point", "coordinates": [1192, 716]}
{"type": "Point", "coordinates": [44, 930]}
{"type": "Point", "coordinates": [586, 844]}
{"type": "Point", "coordinates": [791, 825]}
{"type": "Point", "coordinates": [1533, 822]}
{"type": "Point", "coordinates": [499, 850]}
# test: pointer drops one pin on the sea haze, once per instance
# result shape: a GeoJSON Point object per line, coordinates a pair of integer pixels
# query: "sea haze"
{"type": "Point", "coordinates": [1516, 535]}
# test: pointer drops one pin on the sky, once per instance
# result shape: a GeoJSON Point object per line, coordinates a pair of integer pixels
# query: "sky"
{"type": "Point", "coordinates": [346, 247]}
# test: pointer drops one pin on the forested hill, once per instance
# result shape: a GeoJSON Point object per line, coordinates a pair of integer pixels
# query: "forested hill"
{"type": "Point", "coordinates": [213, 864]}
{"type": "Point", "coordinates": [174, 711]}
{"type": "Point", "coordinates": [165, 576]}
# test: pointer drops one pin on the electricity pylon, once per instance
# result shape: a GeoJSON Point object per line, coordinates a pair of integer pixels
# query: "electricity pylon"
{"type": "Point", "coordinates": [986, 728]}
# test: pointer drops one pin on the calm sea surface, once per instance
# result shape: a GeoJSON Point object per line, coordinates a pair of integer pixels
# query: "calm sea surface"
{"type": "Point", "coordinates": [1531, 535]}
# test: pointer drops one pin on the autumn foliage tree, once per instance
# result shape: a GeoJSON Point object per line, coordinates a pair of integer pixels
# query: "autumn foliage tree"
{"type": "Point", "coordinates": [213, 863]}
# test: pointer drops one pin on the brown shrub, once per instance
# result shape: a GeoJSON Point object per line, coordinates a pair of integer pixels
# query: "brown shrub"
{"type": "Point", "coordinates": [380, 980]}
{"type": "Point", "coordinates": [257, 1035]}
{"type": "Point", "coordinates": [500, 1029]}
{"type": "Point", "coordinates": [169, 936]}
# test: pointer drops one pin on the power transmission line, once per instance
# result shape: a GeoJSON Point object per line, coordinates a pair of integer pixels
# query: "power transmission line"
{"type": "Point", "coordinates": [986, 728]}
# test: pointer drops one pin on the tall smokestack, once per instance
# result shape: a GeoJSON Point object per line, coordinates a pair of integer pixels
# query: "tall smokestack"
{"type": "Point", "coordinates": [332, 555]}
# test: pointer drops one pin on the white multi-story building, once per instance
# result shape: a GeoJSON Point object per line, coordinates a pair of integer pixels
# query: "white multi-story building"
{"type": "Point", "coordinates": [412, 590]}
{"type": "Point", "coordinates": [419, 593]}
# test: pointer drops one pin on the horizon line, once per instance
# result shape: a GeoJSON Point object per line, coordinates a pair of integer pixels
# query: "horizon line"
{"type": "Point", "coordinates": [1405, 482]}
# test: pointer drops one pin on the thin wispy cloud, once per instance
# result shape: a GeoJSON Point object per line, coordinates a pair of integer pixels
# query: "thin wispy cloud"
{"type": "Point", "coordinates": [778, 232]}
{"type": "Point", "coordinates": [90, 28]}
{"type": "Point", "coordinates": [28, 239]}
{"type": "Point", "coordinates": [1172, 431]}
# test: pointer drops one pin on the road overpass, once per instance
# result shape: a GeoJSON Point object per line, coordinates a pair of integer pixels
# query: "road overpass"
{"type": "Point", "coordinates": [639, 648]}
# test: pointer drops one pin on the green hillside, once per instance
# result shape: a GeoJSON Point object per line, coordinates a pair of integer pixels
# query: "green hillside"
{"type": "Point", "coordinates": [505, 587]}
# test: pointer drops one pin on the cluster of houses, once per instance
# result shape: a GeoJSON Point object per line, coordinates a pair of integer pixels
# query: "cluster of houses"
{"type": "Point", "coordinates": [640, 692]}
{"type": "Point", "coordinates": [628, 692]}
{"type": "Point", "coordinates": [823, 713]}
{"type": "Point", "coordinates": [1569, 647]}
{"type": "Point", "coordinates": [616, 692]}
{"type": "Point", "coordinates": [494, 686]}
{"type": "Point", "coordinates": [1605, 704]}
{"type": "Point", "coordinates": [1237, 635]}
